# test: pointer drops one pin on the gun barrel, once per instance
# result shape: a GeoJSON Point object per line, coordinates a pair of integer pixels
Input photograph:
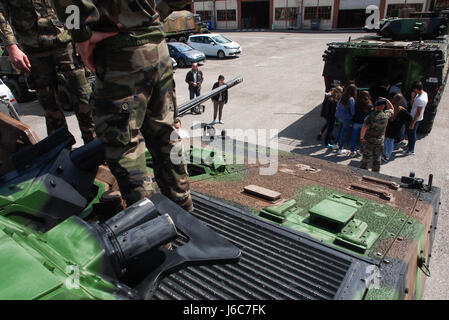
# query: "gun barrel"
{"type": "Point", "coordinates": [189, 105]}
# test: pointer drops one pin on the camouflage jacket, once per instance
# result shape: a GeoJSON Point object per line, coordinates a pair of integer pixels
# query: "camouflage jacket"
{"type": "Point", "coordinates": [135, 17]}
{"type": "Point", "coordinates": [31, 23]}
{"type": "Point", "coordinates": [376, 123]}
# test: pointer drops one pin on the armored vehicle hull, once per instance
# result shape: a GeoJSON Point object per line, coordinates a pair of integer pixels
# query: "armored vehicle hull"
{"type": "Point", "coordinates": [179, 25]}
{"type": "Point", "coordinates": [309, 229]}
{"type": "Point", "coordinates": [368, 61]}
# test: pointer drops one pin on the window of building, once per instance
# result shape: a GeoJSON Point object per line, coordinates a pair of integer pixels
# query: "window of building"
{"type": "Point", "coordinates": [441, 4]}
{"type": "Point", "coordinates": [226, 15]}
{"type": "Point", "coordinates": [205, 15]}
{"type": "Point", "coordinates": [324, 12]}
{"type": "Point", "coordinates": [285, 13]}
{"type": "Point", "coordinates": [393, 9]}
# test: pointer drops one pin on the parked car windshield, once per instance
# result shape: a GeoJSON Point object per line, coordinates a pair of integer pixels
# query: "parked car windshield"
{"type": "Point", "coordinates": [221, 39]}
{"type": "Point", "coordinates": [182, 47]}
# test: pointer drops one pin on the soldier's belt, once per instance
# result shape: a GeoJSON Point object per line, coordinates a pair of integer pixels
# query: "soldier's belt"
{"type": "Point", "coordinates": [45, 46]}
{"type": "Point", "coordinates": [124, 40]}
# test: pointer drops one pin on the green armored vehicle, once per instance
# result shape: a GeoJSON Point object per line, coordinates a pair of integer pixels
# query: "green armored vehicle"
{"type": "Point", "coordinates": [407, 50]}
{"type": "Point", "coordinates": [179, 25]}
{"type": "Point", "coordinates": [60, 238]}
{"type": "Point", "coordinates": [274, 225]}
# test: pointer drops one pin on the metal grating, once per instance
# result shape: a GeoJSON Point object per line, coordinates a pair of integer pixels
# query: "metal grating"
{"type": "Point", "coordinates": [275, 264]}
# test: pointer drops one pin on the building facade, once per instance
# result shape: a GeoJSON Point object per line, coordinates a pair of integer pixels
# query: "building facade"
{"type": "Point", "coordinates": [296, 14]}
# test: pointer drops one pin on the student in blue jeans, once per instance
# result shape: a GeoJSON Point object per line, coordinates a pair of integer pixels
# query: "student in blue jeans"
{"type": "Point", "coordinates": [363, 106]}
{"type": "Point", "coordinates": [345, 112]}
{"type": "Point", "coordinates": [400, 118]}
{"type": "Point", "coordinates": [419, 103]}
{"type": "Point", "coordinates": [328, 110]}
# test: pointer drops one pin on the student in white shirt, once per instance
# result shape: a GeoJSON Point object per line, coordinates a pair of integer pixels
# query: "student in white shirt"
{"type": "Point", "coordinates": [419, 103]}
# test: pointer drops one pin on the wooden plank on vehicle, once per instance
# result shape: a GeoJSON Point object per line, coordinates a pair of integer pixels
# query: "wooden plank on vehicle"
{"type": "Point", "coordinates": [262, 192]}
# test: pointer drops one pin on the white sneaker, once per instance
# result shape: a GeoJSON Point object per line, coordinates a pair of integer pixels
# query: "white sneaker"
{"type": "Point", "coordinates": [335, 147]}
{"type": "Point", "coordinates": [341, 151]}
{"type": "Point", "coordinates": [408, 153]}
{"type": "Point", "coordinates": [221, 122]}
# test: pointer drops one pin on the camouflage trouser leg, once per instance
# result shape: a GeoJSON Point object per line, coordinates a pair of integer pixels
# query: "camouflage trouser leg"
{"type": "Point", "coordinates": [374, 152]}
{"type": "Point", "coordinates": [44, 72]}
{"type": "Point", "coordinates": [80, 90]}
{"type": "Point", "coordinates": [134, 98]}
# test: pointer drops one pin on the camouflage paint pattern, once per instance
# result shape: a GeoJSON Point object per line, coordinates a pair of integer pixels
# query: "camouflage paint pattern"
{"type": "Point", "coordinates": [44, 75]}
{"type": "Point", "coordinates": [129, 17]}
{"type": "Point", "coordinates": [396, 231]}
{"type": "Point", "coordinates": [376, 124]}
{"type": "Point", "coordinates": [44, 266]}
{"type": "Point", "coordinates": [180, 22]}
{"type": "Point", "coordinates": [43, 38]}
{"type": "Point", "coordinates": [31, 23]}
{"type": "Point", "coordinates": [134, 98]}
{"type": "Point", "coordinates": [368, 60]}
{"type": "Point", "coordinates": [371, 153]}
{"type": "Point", "coordinates": [134, 108]}
{"type": "Point", "coordinates": [413, 28]}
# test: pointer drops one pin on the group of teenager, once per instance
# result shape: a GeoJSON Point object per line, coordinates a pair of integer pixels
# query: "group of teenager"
{"type": "Point", "coordinates": [378, 118]}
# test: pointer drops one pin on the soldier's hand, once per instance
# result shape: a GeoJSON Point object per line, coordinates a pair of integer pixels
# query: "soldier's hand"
{"type": "Point", "coordinates": [86, 48]}
{"type": "Point", "coordinates": [18, 58]}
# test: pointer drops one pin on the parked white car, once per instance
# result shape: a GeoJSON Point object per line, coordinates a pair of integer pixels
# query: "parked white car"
{"type": "Point", "coordinates": [214, 44]}
{"type": "Point", "coordinates": [7, 95]}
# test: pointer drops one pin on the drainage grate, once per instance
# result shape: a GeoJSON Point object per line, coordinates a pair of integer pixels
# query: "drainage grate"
{"type": "Point", "coordinates": [275, 264]}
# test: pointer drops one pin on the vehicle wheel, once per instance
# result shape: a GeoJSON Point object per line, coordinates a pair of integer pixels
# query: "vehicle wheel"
{"type": "Point", "coordinates": [181, 63]}
{"type": "Point", "coordinates": [19, 92]}
{"type": "Point", "coordinates": [221, 54]}
{"type": "Point", "coordinates": [172, 40]}
{"type": "Point", "coordinates": [183, 39]}
{"type": "Point", "coordinates": [65, 98]}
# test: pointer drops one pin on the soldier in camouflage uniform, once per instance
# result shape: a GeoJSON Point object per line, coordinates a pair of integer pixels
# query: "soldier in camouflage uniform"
{"type": "Point", "coordinates": [123, 42]}
{"type": "Point", "coordinates": [372, 134]}
{"type": "Point", "coordinates": [48, 49]}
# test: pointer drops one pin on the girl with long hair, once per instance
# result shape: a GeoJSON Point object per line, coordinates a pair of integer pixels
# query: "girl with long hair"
{"type": "Point", "coordinates": [400, 117]}
{"type": "Point", "coordinates": [345, 112]}
{"type": "Point", "coordinates": [328, 112]}
{"type": "Point", "coordinates": [363, 106]}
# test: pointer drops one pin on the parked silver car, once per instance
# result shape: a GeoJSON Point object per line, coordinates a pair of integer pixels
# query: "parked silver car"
{"type": "Point", "coordinates": [214, 44]}
{"type": "Point", "coordinates": [8, 103]}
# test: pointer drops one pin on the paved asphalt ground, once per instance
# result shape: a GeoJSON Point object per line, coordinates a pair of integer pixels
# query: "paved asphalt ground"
{"type": "Point", "coordinates": [282, 89]}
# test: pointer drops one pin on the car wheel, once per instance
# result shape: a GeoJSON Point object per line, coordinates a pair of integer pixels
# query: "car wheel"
{"type": "Point", "coordinates": [65, 98]}
{"type": "Point", "coordinates": [221, 54]}
{"type": "Point", "coordinates": [172, 40]}
{"type": "Point", "coordinates": [183, 39]}
{"type": "Point", "coordinates": [181, 63]}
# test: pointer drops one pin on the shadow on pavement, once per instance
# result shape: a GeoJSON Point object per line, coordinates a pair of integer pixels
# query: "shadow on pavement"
{"type": "Point", "coordinates": [33, 108]}
{"type": "Point", "coordinates": [301, 137]}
